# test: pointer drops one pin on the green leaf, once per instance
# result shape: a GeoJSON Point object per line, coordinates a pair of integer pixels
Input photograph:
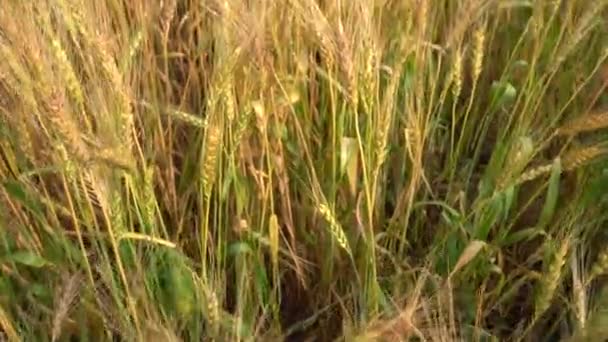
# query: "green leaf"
{"type": "Point", "coordinates": [509, 198]}
{"type": "Point", "coordinates": [552, 194]}
{"type": "Point", "coordinates": [40, 291]}
{"type": "Point", "coordinates": [6, 286]}
{"type": "Point", "coordinates": [453, 249]}
{"type": "Point", "coordinates": [28, 258]}
{"type": "Point", "coordinates": [182, 290]}
{"type": "Point", "coordinates": [522, 235]}
{"type": "Point", "coordinates": [349, 161]}
{"type": "Point", "coordinates": [451, 216]}
{"type": "Point", "coordinates": [261, 280]}
{"type": "Point", "coordinates": [16, 191]}
{"type": "Point", "coordinates": [503, 93]}
{"type": "Point", "coordinates": [225, 188]}
{"type": "Point", "coordinates": [489, 216]}
{"type": "Point", "coordinates": [237, 248]}
{"type": "Point", "coordinates": [596, 190]}
{"type": "Point", "coordinates": [511, 290]}
{"type": "Point", "coordinates": [525, 148]}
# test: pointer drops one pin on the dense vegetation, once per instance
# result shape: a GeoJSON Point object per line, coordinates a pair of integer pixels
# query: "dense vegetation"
{"type": "Point", "coordinates": [303, 170]}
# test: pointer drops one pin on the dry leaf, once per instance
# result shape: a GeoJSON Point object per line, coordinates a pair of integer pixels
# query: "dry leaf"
{"type": "Point", "coordinates": [467, 255]}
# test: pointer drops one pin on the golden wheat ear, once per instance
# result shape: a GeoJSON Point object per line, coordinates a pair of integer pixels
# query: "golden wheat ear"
{"type": "Point", "coordinates": [66, 299]}
{"type": "Point", "coordinates": [334, 227]}
{"type": "Point", "coordinates": [572, 160]}
{"type": "Point", "coordinates": [586, 123]}
{"type": "Point", "coordinates": [212, 149]}
{"type": "Point", "coordinates": [581, 156]}
{"type": "Point", "coordinates": [67, 129]}
{"type": "Point", "coordinates": [478, 52]}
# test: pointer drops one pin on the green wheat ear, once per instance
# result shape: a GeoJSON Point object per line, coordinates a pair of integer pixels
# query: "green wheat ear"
{"type": "Point", "coordinates": [550, 280]}
{"type": "Point", "coordinates": [600, 266]}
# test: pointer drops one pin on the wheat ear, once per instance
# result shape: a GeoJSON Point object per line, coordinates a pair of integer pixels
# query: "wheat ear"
{"type": "Point", "coordinates": [334, 227]}
{"type": "Point", "coordinates": [550, 280]}
{"type": "Point", "coordinates": [584, 123]}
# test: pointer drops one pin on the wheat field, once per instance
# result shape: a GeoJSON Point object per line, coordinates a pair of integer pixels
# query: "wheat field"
{"type": "Point", "coordinates": [303, 170]}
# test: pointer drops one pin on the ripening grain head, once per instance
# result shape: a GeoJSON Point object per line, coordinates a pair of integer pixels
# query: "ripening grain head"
{"type": "Point", "coordinates": [211, 152]}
